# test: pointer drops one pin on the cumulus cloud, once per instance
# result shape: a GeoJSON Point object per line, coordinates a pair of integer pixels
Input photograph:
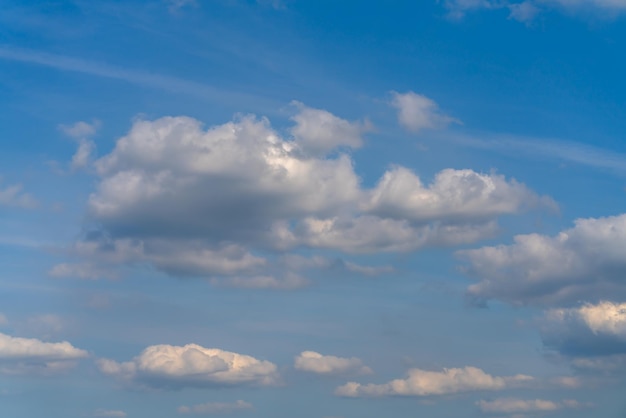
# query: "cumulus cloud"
{"type": "Point", "coordinates": [318, 131]}
{"type": "Point", "coordinates": [585, 262]}
{"type": "Point", "coordinates": [109, 413]}
{"type": "Point", "coordinates": [588, 330]}
{"type": "Point", "coordinates": [426, 383]}
{"type": "Point", "coordinates": [417, 112]}
{"type": "Point", "coordinates": [172, 367]}
{"type": "Point", "coordinates": [310, 361]}
{"type": "Point", "coordinates": [192, 201]}
{"type": "Point", "coordinates": [218, 408]}
{"type": "Point", "coordinates": [30, 355]}
{"type": "Point", "coordinates": [521, 406]}
{"type": "Point", "coordinates": [82, 132]}
{"type": "Point", "coordinates": [14, 196]}
{"type": "Point", "coordinates": [454, 196]}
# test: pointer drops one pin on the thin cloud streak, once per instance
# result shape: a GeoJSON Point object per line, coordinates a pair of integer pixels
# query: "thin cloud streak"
{"type": "Point", "coordinates": [545, 148]}
{"type": "Point", "coordinates": [138, 77]}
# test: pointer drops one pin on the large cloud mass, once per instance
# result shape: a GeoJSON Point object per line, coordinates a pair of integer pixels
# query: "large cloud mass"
{"type": "Point", "coordinates": [202, 202]}
{"type": "Point", "coordinates": [586, 262]}
{"type": "Point", "coordinates": [191, 365]}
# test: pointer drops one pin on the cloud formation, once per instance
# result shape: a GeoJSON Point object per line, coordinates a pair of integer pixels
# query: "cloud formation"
{"type": "Point", "coordinates": [82, 132]}
{"type": "Point", "coordinates": [317, 131]}
{"type": "Point", "coordinates": [33, 356]}
{"type": "Point", "coordinates": [173, 367]}
{"type": "Point", "coordinates": [585, 262]}
{"type": "Point", "coordinates": [313, 362]}
{"type": "Point", "coordinates": [427, 383]}
{"type": "Point", "coordinates": [217, 408]}
{"type": "Point", "coordinates": [586, 331]}
{"type": "Point", "coordinates": [203, 202]}
{"type": "Point", "coordinates": [521, 406]}
{"type": "Point", "coordinates": [417, 112]}
{"type": "Point", "coordinates": [13, 196]}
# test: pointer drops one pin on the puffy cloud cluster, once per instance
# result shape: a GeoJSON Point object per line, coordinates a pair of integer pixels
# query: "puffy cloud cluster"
{"type": "Point", "coordinates": [417, 112]}
{"type": "Point", "coordinates": [192, 365]}
{"type": "Point", "coordinates": [313, 362]}
{"type": "Point", "coordinates": [30, 355]}
{"type": "Point", "coordinates": [218, 408]}
{"type": "Point", "coordinates": [426, 383]}
{"type": "Point", "coordinates": [202, 202]}
{"type": "Point", "coordinates": [586, 262]}
{"type": "Point", "coordinates": [521, 406]}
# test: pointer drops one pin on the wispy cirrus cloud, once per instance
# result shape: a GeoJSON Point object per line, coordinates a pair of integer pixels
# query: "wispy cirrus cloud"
{"type": "Point", "coordinates": [137, 77]}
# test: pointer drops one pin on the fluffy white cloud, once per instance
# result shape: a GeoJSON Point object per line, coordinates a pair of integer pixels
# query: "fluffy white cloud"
{"type": "Point", "coordinates": [521, 406]}
{"type": "Point", "coordinates": [417, 112]}
{"type": "Point", "coordinates": [30, 355]}
{"type": "Point", "coordinates": [454, 195]}
{"type": "Point", "coordinates": [192, 365]}
{"type": "Point", "coordinates": [109, 413]}
{"type": "Point", "coordinates": [582, 263]}
{"type": "Point", "coordinates": [310, 361]}
{"type": "Point", "coordinates": [220, 408]}
{"type": "Point", "coordinates": [202, 202]}
{"type": "Point", "coordinates": [13, 196]}
{"type": "Point", "coordinates": [426, 383]}
{"type": "Point", "coordinates": [318, 131]}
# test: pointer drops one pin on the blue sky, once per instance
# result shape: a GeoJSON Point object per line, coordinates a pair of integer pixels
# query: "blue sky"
{"type": "Point", "coordinates": [321, 209]}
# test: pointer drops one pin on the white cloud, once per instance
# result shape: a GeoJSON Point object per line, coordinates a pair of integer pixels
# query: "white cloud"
{"type": "Point", "coordinates": [191, 365]}
{"type": "Point", "coordinates": [81, 132]}
{"type": "Point", "coordinates": [417, 112]}
{"type": "Point", "coordinates": [109, 413]}
{"type": "Point", "coordinates": [318, 131]}
{"type": "Point", "coordinates": [30, 355]}
{"type": "Point", "coordinates": [13, 196]}
{"type": "Point", "coordinates": [586, 331]}
{"type": "Point", "coordinates": [218, 408]}
{"type": "Point", "coordinates": [520, 406]}
{"type": "Point", "coordinates": [454, 195]}
{"type": "Point", "coordinates": [191, 201]}
{"type": "Point", "coordinates": [582, 263]}
{"type": "Point", "coordinates": [3, 320]}
{"type": "Point", "coordinates": [310, 361]}
{"type": "Point", "coordinates": [426, 383]}
{"type": "Point", "coordinates": [80, 129]}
